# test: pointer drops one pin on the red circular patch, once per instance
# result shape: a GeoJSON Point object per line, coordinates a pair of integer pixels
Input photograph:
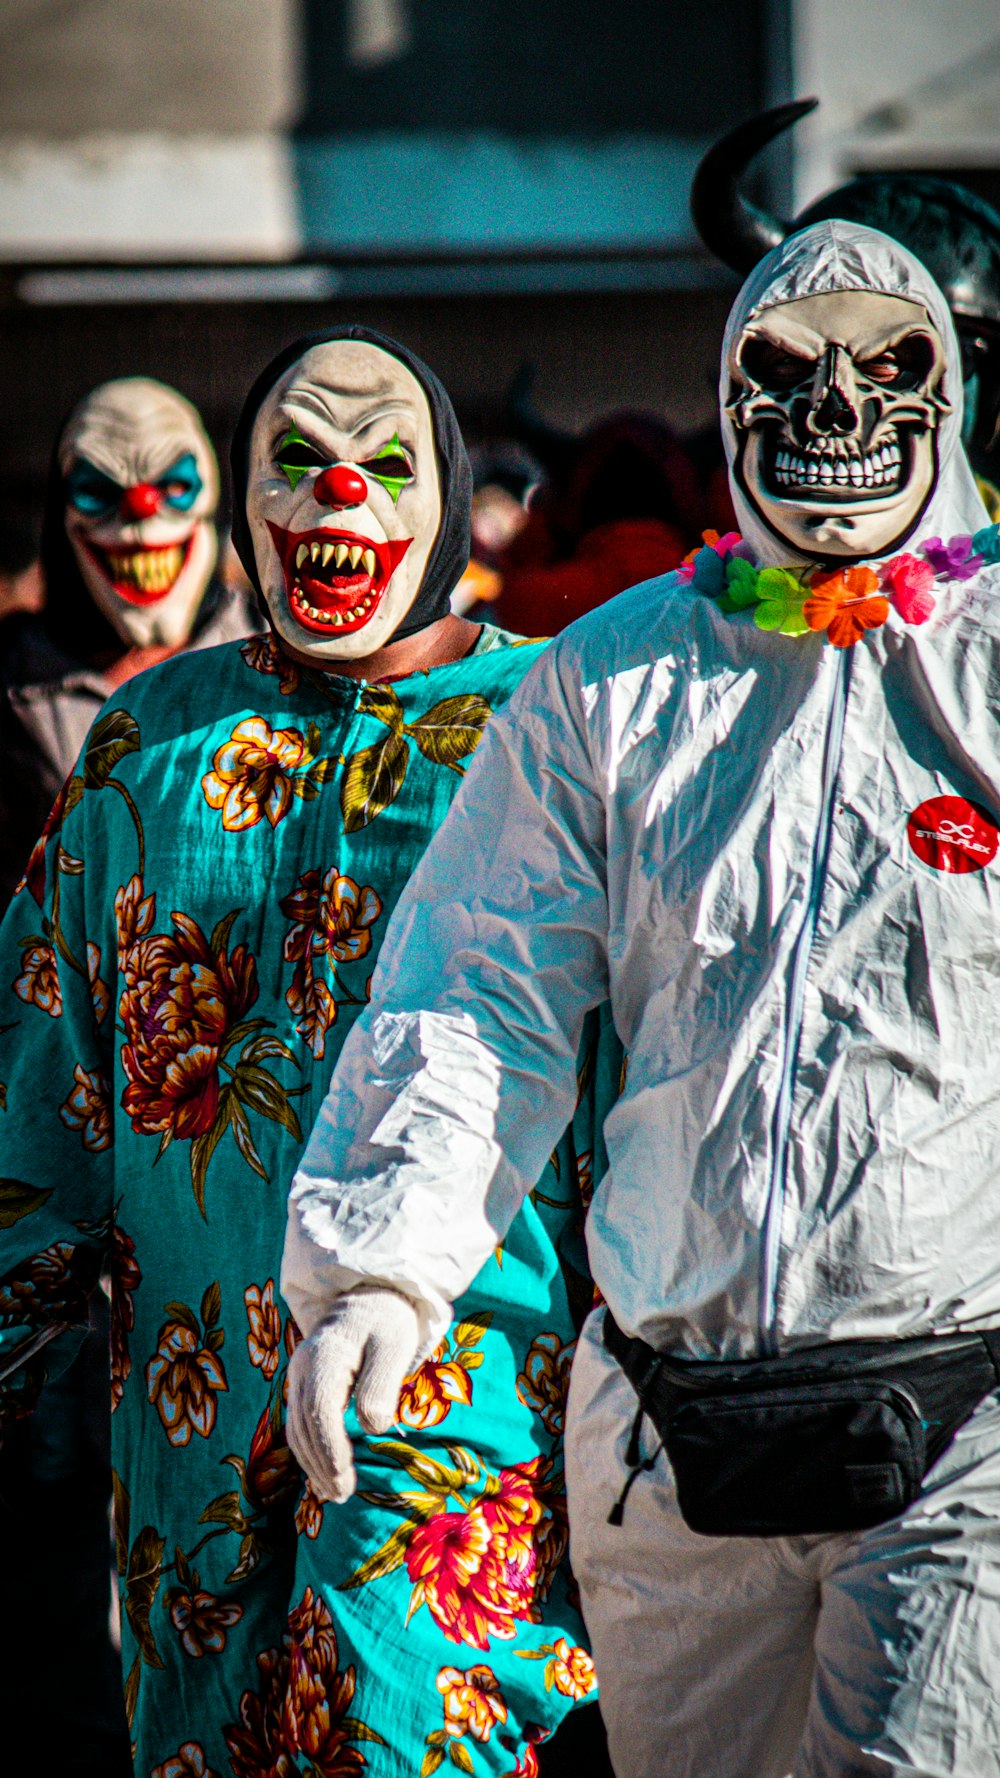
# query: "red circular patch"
{"type": "Point", "coordinates": [949, 833]}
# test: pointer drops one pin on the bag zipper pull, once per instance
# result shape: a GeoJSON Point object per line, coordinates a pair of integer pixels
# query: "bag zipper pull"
{"type": "Point", "coordinates": [636, 1464]}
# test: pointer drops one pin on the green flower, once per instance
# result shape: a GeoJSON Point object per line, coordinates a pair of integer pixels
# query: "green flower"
{"type": "Point", "coordinates": [780, 601]}
{"type": "Point", "coordinates": [741, 584]}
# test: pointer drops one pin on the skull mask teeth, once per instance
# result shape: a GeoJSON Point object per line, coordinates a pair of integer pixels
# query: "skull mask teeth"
{"type": "Point", "coordinates": [836, 400]}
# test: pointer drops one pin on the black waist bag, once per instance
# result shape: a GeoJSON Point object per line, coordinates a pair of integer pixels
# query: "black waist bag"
{"type": "Point", "coordinates": [831, 1438]}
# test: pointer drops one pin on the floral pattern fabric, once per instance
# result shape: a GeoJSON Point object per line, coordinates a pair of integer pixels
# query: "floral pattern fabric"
{"type": "Point", "coordinates": [194, 937]}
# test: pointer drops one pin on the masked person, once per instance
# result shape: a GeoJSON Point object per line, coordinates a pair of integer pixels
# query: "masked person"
{"type": "Point", "coordinates": [757, 802]}
{"type": "Point", "coordinates": [202, 920]}
{"type": "Point", "coordinates": [128, 553]}
{"type": "Point", "coordinates": [951, 230]}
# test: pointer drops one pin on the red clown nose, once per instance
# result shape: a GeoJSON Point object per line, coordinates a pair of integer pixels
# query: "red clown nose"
{"type": "Point", "coordinates": [141, 501]}
{"type": "Point", "coordinates": [340, 486]}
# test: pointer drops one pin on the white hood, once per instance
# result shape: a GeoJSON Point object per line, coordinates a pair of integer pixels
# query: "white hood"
{"type": "Point", "coordinates": [835, 256]}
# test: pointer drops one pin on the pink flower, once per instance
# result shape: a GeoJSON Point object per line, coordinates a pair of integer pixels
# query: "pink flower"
{"type": "Point", "coordinates": [911, 581]}
{"type": "Point", "coordinates": [728, 544]}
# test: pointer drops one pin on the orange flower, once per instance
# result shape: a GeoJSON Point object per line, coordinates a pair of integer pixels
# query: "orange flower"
{"type": "Point", "coordinates": [527, 1764]}
{"type": "Point", "coordinates": [100, 993]}
{"type": "Point", "coordinates": [253, 774]}
{"type": "Point", "coordinates": [180, 1002]}
{"type": "Point", "coordinates": [271, 1473]}
{"type": "Point", "coordinates": [201, 1620]}
{"type": "Point", "coordinates": [134, 915]}
{"type": "Point", "coordinates": [188, 1762]}
{"type": "Point", "coordinates": [330, 918]}
{"type": "Point", "coordinates": [257, 1747]}
{"type": "Point", "coordinates": [544, 1381]}
{"type": "Point", "coordinates": [427, 1394]}
{"type": "Point", "coordinates": [88, 1108]}
{"type": "Point", "coordinates": [481, 1570]}
{"type": "Point", "coordinates": [841, 602]}
{"type": "Point", "coordinates": [34, 875]}
{"type": "Point", "coordinates": [50, 1286]}
{"type": "Point", "coordinates": [309, 1513]}
{"type": "Point", "coordinates": [182, 1381]}
{"type": "Point", "coordinates": [472, 1700]}
{"type": "Point", "coordinates": [263, 655]}
{"type": "Point", "coordinates": [125, 1278]}
{"type": "Point", "coordinates": [38, 983]}
{"type": "Point", "coordinates": [572, 1670]}
{"type": "Point", "coordinates": [318, 1721]}
{"type": "Point", "coordinates": [264, 1338]}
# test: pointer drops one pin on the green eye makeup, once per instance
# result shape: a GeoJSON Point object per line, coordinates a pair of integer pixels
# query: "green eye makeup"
{"type": "Point", "coordinates": [390, 466]}
{"type": "Point", "coordinates": [295, 456]}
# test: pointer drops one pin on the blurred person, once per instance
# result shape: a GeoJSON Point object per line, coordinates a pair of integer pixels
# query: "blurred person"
{"type": "Point", "coordinates": [755, 803]}
{"type": "Point", "coordinates": [128, 557]}
{"type": "Point", "coordinates": [504, 476]}
{"type": "Point", "coordinates": [622, 505]}
{"type": "Point", "coordinates": [22, 584]}
{"type": "Point", "coordinates": [207, 905]}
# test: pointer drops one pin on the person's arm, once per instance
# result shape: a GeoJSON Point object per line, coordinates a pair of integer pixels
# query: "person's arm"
{"type": "Point", "coordinates": [460, 1076]}
{"type": "Point", "coordinates": [56, 1031]}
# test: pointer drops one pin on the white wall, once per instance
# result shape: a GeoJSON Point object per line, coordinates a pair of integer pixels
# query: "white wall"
{"type": "Point", "coordinates": [901, 82]}
{"type": "Point", "coordinates": [146, 128]}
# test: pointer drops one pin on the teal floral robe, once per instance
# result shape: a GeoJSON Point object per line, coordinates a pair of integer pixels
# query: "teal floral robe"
{"type": "Point", "coordinates": [195, 935]}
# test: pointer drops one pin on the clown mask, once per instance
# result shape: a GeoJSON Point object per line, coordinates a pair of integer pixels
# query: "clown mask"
{"type": "Point", "coordinates": [142, 485]}
{"type": "Point", "coordinates": [343, 498]}
{"type": "Point", "coordinates": [836, 400]}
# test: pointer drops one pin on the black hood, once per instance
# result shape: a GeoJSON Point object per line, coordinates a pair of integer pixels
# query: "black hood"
{"type": "Point", "coordinates": [450, 552]}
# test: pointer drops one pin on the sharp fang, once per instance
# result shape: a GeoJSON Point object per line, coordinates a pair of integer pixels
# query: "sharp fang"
{"type": "Point", "coordinates": [301, 554]}
{"type": "Point", "coordinates": [338, 620]}
{"type": "Point", "coordinates": [327, 553]}
{"type": "Point", "coordinates": [314, 551]}
{"type": "Point", "coordinates": [340, 554]}
{"type": "Point", "coordinates": [355, 554]}
{"type": "Point", "coordinates": [369, 561]}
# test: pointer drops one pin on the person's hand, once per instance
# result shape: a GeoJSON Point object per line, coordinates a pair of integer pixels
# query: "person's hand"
{"type": "Point", "coordinates": [367, 1344]}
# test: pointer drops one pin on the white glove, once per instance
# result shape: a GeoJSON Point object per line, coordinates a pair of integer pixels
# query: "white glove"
{"type": "Point", "coordinates": [369, 1340]}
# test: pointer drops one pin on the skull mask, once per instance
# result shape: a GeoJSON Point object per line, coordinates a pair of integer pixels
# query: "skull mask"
{"type": "Point", "coordinates": [835, 400]}
{"type": "Point", "coordinates": [343, 498]}
{"type": "Point", "coordinates": [141, 484]}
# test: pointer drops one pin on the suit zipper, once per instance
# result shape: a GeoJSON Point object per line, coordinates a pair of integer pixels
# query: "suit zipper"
{"type": "Point", "coordinates": [771, 1245]}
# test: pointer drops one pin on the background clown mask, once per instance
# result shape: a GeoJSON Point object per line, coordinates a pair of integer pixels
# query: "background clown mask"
{"type": "Point", "coordinates": [343, 498]}
{"type": "Point", "coordinates": [142, 486]}
{"type": "Point", "coordinates": [836, 400]}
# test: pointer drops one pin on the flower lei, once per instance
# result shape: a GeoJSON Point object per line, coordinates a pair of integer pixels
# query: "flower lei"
{"type": "Point", "coordinates": [843, 602]}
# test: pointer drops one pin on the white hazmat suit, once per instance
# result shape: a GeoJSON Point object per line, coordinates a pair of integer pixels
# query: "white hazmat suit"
{"type": "Point", "coordinates": [711, 827]}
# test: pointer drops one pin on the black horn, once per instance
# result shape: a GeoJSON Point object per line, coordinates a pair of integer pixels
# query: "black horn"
{"type": "Point", "coordinates": [735, 230]}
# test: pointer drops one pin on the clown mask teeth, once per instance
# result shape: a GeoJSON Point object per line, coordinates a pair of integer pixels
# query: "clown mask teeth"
{"type": "Point", "coordinates": [146, 574]}
{"type": "Point", "coordinates": [334, 581]}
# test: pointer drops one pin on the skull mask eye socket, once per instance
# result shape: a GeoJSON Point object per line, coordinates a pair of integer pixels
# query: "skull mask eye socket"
{"type": "Point", "coordinates": [904, 365]}
{"type": "Point", "coordinates": [772, 367]}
